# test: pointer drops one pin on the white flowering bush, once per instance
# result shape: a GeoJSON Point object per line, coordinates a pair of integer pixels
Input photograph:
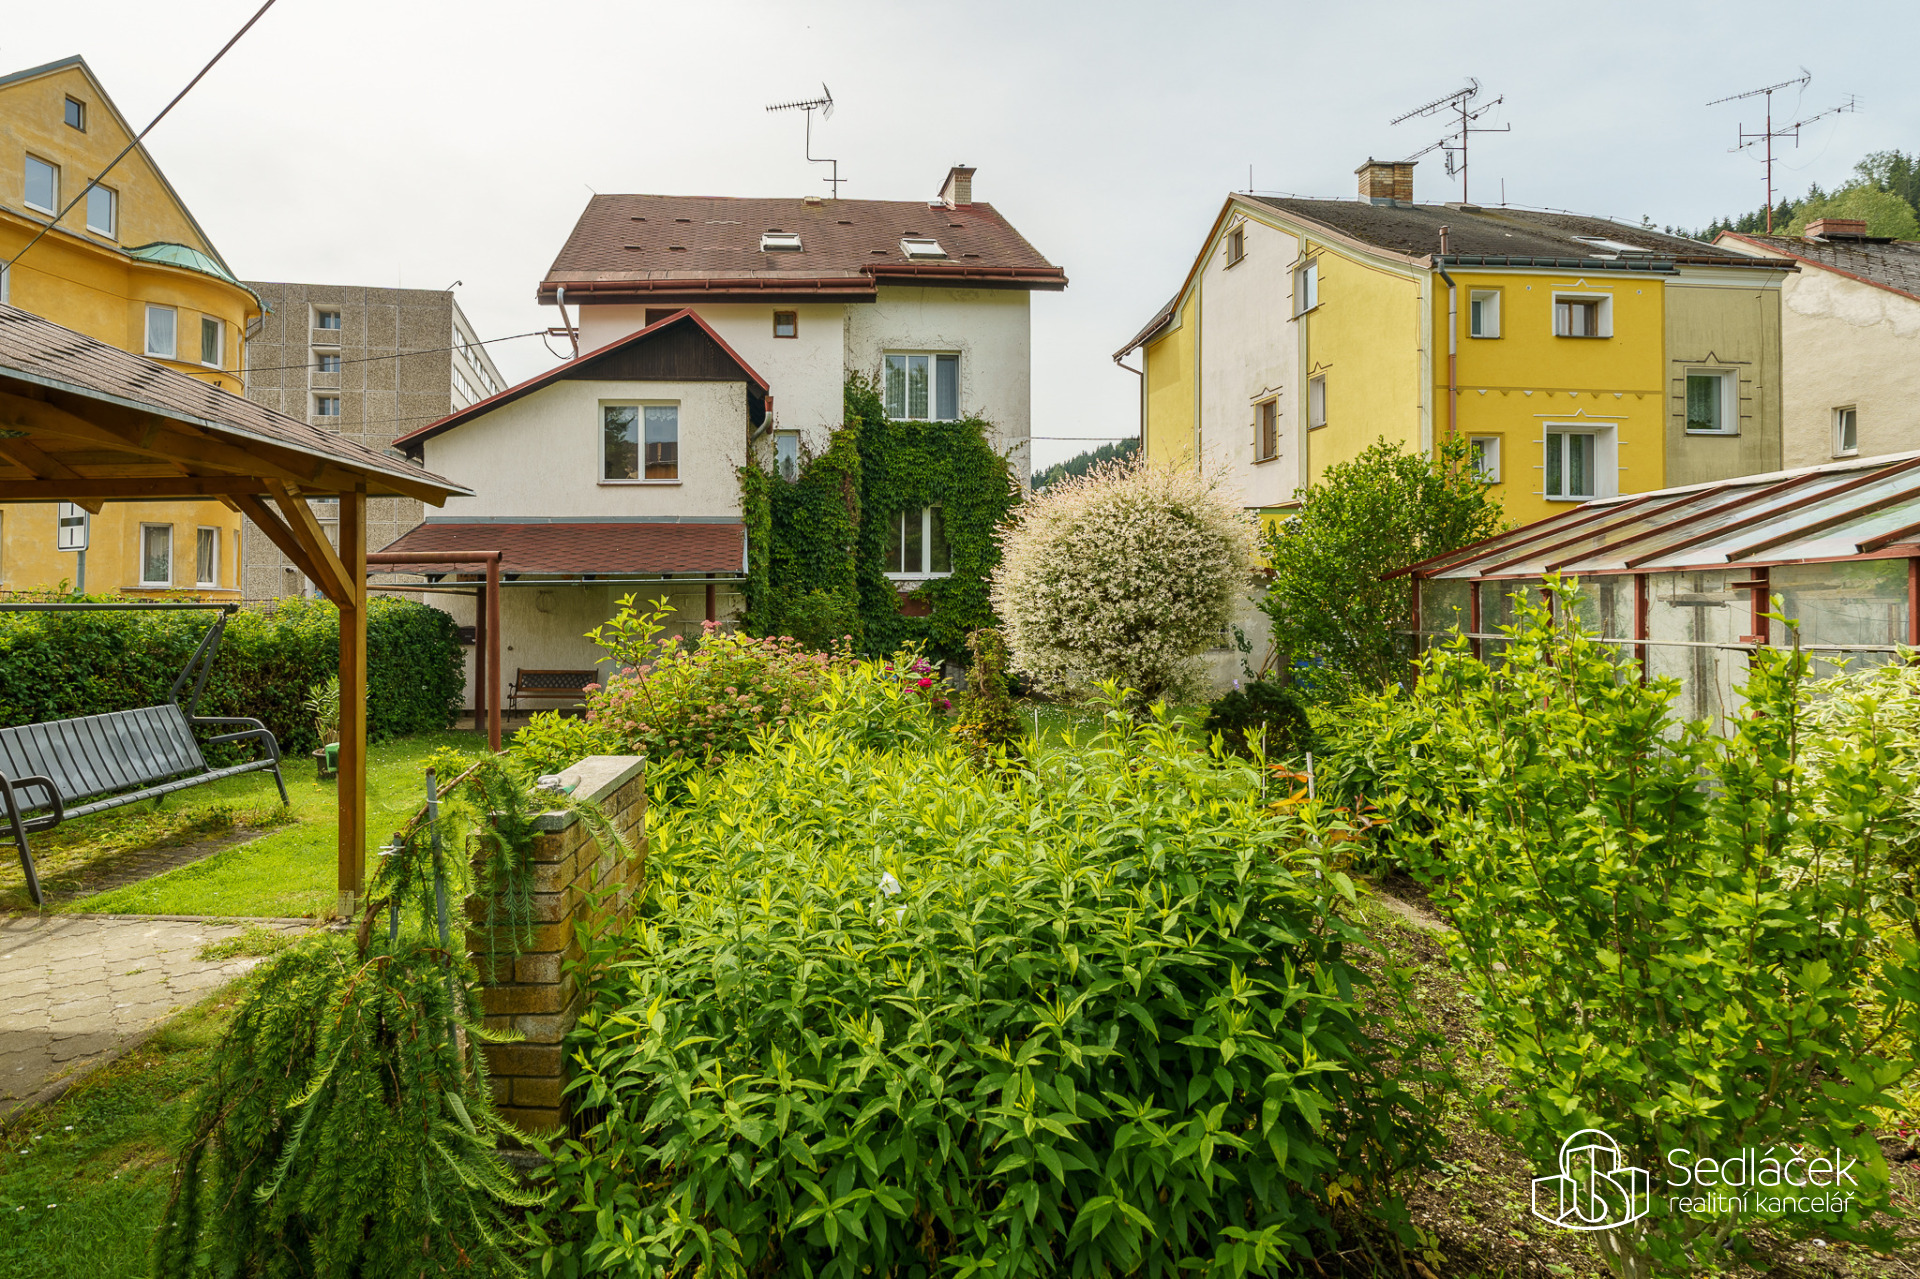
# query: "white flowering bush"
{"type": "Point", "coordinates": [1126, 573]}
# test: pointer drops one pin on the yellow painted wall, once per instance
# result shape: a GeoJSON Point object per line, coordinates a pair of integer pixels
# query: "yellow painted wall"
{"type": "Point", "coordinates": [81, 279]}
{"type": "Point", "coordinates": [1512, 386]}
{"type": "Point", "coordinates": [1364, 338]}
{"type": "Point", "coordinates": [1167, 434]}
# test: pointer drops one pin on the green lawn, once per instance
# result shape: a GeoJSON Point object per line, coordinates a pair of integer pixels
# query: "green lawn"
{"type": "Point", "coordinates": [83, 1181]}
{"type": "Point", "coordinates": [1061, 724]}
{"type": "Point", "coordinates": [289, 872]}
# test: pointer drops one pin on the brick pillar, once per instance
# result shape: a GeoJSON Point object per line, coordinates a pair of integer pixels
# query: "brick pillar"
{"type": "Point", "coordinates": [534, 993]}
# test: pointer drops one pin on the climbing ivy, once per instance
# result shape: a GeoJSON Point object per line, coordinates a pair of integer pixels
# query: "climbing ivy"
{"type": "Point", "coordinates": [825, 531]}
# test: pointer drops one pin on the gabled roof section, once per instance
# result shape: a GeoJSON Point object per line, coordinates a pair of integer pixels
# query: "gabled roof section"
{"type": "Point", "coordinates": [680, 347]}
{"type": "Point", "coordinates": [106, 100]}
{"type": "Point", "coordinates": [657, 247]}
{"type": "Point", "coordinates": [1893, 265]}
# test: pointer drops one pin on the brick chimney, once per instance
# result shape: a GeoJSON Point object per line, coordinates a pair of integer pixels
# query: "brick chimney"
{"type": "Point", "coordinates": [1386, 181]}
{"type": "Point", "coordinates": [957, 191]}
{"type": "Point", "coordinates": [1836, 228]}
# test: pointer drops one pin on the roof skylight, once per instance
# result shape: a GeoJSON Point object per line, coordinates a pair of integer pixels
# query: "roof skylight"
{"type": "Point", "coordinates": [922, 247]}
{"type": "Point", "coordinates": [1611, 246]}
{"type": "Point", "coordinates": [779, 242]}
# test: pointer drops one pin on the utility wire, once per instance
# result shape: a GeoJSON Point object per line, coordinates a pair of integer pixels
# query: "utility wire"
{"type": "Point", "coordinates": [95, 181]}
{"type": "Point", "coordinates": [366, 359]}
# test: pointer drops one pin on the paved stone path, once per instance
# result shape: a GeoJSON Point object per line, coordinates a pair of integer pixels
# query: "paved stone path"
{"type": "Point", "coordinates": [78, 990]}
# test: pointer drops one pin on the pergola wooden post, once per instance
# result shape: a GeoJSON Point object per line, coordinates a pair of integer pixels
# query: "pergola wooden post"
{"type": "Point", "coordinates": [88, 423]}
{"type": "Point", "coordinates": [486, 630]}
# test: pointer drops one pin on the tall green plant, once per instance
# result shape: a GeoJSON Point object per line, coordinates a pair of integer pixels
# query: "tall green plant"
{"type": "Point", "coordinates": [889, 1015]}
{"type": "Point", "coordinates": [1384, 510]}
{"type": "Point", "coordinates": [1671, 936]}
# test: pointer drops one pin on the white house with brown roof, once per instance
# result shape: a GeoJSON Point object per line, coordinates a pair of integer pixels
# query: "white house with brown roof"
{"type": "Point", "coordinates": [1850, 338]}
{"type": "Point", "coordinates": [930, 298]}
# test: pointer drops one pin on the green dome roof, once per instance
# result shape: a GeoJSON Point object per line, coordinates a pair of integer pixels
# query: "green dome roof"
{"type": "Point", "coordinates": [182, 255]}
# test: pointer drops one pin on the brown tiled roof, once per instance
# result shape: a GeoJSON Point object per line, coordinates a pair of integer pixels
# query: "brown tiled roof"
{"type": "Point", "coordinates": [709, 246]}
{"type": "Point", "coordinates": [1891, 264]}
{"type": "Point", "coordinates": [1490, 231]}
{"type": "Point", "coordinates": [572, 549]}
{"type": "Point", "coordinates": [586, 365]}
{"type": "Point", "coordinates": [41, 353]}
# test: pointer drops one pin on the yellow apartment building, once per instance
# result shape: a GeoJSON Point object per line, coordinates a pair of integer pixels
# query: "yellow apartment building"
{"type": "Point", "coordinates": [130, 266]}
{"type": "Point", "coordinates": [1580, 356]}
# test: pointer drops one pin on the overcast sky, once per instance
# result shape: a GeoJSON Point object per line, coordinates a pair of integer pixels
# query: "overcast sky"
{"type": "Point", "coordinates": [400, 142]}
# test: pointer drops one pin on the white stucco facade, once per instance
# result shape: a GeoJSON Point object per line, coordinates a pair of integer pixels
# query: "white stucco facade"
{"type": "Point", "coordinates": [1252, 356]}
{"type": "Point", "coordinates": [990, 330]}
{"type": "Point", "coordinates": [539, 456]}
{"type": "Point", "coordinates": [1847, 344]}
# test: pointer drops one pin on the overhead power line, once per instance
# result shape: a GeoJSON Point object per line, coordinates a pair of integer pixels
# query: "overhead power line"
{"type": "Point", "coordinates": [95, 181]}
{"type": "Point", "coordinates": [365, 359]}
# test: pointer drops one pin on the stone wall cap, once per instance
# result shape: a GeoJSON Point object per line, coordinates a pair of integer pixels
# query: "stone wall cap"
{"type": "Point", "coordinates": [595, 779]}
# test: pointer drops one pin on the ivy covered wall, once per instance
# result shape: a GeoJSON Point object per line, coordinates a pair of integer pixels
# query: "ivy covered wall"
{"type": "Point", "coordinates": [817, 543]}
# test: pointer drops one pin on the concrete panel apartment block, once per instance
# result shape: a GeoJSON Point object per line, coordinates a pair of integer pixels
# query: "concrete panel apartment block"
{"type": "Point", "coordinates": [386, 361]}
{"type": "Point", "coordinates": [579, 886]}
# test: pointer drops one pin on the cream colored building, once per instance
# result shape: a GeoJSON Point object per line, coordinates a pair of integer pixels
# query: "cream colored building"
{"type": "Point", "coordinates": [1850, 332]}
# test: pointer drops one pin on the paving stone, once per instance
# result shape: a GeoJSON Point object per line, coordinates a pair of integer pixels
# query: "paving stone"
{"type": "Point", "coordinates": [84, 988]}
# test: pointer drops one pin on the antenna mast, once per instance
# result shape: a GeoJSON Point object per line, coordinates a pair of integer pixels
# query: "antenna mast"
{"type": "Point", "coordinates": [1768, 134]}
{"type": "Point", "coordinates": [824, 105]}
{"type": "Point", "coordinates": [1456, 151]}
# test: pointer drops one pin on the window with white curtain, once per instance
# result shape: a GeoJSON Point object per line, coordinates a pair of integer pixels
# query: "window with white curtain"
{"type": "Point", "coordinates": [917, 545]}
{"type": "Point", "coordinates": [1317, 401]}
{"type": "Point", "coordinates": [1306, 287]}
{"type": "Point", "coordinates": [156, 555]}
{"type": "Point", "coordinates": [786, 454]}
{"type": "Point", "coordinates": [923, 386]}
{"type": "Point", "coordinates": [206, 557]}
{"type": "Point", "coordinates": [1573, 465]}
{"type": "Point", "coordinates": [1710, 402]}
{"type": "Point", "coordinates": [162, 332]}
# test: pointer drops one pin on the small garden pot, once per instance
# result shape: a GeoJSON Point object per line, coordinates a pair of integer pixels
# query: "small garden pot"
{"type": "Point", "coordinates": [326, 761]}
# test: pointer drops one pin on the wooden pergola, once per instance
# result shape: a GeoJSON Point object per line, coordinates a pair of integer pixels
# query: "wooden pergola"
{"type": "Point", "coordinates": [87, 423]}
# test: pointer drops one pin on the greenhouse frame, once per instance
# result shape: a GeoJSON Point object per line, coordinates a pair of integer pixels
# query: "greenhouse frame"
{"type": "Point", "coordinates": [1684, 578]}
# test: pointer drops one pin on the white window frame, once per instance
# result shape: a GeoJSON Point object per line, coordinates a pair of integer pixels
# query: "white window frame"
{"type": "Point", "coordinates": [933, 359]}
{"type": "Point", "coordinates": [27, 199]}
{"type": "Point", "coordinates": [1489, 303]}
{"type": "Point", "coordinates": [219, 360]}
{"type": "Point", "coordinates": [1729, 381]}
{"type": "Point", "coordinates": [1306, 286]}
{"type": "Point", "coordinates": [1316, 401]}
{"type": "Point", "coordinates": [1841, 415]}
{"type": "Point", "coordinates": [319, 403]}
{"type": "Point", "coordinates": [112, 229]}
{"type": "Point", "coordinates": [334, 311]}
{"type": "Point", "coordinates": [1237, 245]}
{"type": "Point", "coordinates": [1603, 314]}
{"type": "Point", "coordinates": [320, 359]}
{"type": "Point", "coordinates": [1606, 459]}
{"type": "Point", "coordinates": [173, 349]}
{"type": "Point", "coordinates": [6, 284]}
{"type": "Point", "coordinates": [600, 438]}
{"type": "Point", "coordinates": [1486, 457]}
{"type": "Point", "coordinates": [199, 533]}
{"type": "Point", "coordinates": [146, 581]}
{"type": "Point", "coordinates": [926, 572]}
{"type": "Point", "coordinates": [1261, 409]}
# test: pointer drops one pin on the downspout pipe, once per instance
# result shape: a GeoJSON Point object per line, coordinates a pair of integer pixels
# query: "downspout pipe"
{"type": "Point", "coordinates": [1140, 373]}
{"type": "Point", "coordinates": [1453, 339]}
{"type": "Point", "coordinates": [573, 334]}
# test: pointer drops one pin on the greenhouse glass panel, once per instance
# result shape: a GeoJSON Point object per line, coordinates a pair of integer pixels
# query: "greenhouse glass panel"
{"type": "Point", "coordinates": [1443, 607]}
{"type": "Point", "coordinates": [1687, 615]}
{"type": "Point", "coordinates": [1499, 609]}
{"type": "Point", "coordinates": [1849, 602]}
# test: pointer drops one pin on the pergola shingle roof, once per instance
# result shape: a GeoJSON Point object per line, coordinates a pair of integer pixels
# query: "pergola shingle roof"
{"type": "Point", "coordinates": [606, 549]}
{"type": "Point", "coordinates": [66, 371]}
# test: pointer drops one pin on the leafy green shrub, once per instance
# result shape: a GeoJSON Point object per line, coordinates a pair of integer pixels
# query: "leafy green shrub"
{"type": "Point", "coordinates": [821, 620]}
{"type": "Point", "coordinates": [1272, 712]}
{"type": "Point", "coordinates": [1332, 606]}
{"type": "Point", "coordinates": [1671, 936]}
{"type": "Point", "coordinates": [988, 727]}
{"type": "Point", "coordinates": [61, 665]}
{"type": "Point", "coordinates": [887, 1015]}
{"type": "Point", "coordinates": [1849, 708]}
{"type": "Point", "coordinates": [552, 741]}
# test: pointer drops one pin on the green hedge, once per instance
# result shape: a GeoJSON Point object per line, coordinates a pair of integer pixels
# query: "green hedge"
{"type": "Point", "coordinates": [59, 665]}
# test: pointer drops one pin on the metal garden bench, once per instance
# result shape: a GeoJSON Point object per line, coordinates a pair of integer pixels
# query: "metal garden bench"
{"type": "Point", "coordinates": [561, 686]}
{"type": "Point", "coordinates": [69, 768]}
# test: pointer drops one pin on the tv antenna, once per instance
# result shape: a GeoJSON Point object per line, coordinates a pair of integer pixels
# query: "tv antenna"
{"type": "Point", "coordinates": [1454, 144]}
{"type": "Point", "coordinates": [824, 105]}
{"type": "Point", "coordinates": [1769, 133]}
